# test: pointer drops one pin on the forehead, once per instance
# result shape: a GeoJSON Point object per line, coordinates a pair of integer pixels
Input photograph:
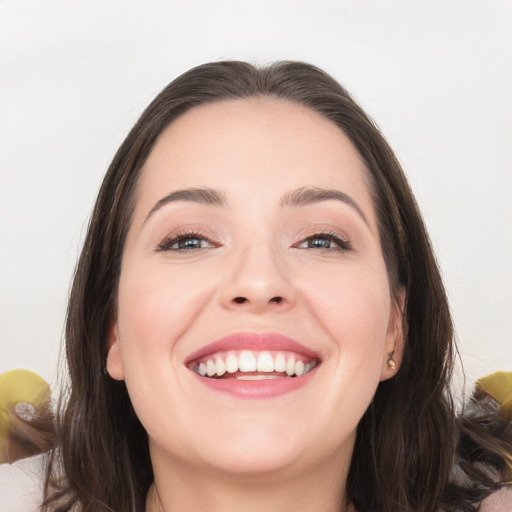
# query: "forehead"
{"type": "Point", "coordinates": [262, 145]}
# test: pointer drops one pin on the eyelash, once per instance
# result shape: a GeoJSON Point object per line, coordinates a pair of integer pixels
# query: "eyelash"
{"type": "Point", "coordinates": [342, 244]}
{"type": "Point", "coordinates": [167, 243]}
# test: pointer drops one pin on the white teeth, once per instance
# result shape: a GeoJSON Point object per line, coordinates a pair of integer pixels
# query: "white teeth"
{"type": "Point", "coordinates": [231, 363]}
{"type": "Point", "coordinates": [280, 363]}
{"type": "Point", "coordinates": [221, 366]}
{"type": "Point", "coordinates": [247, 361]}
{"type": "Point", "coordinates": [210, 368]}
{"type": "Point", "coordinates": [265, 362]}
{"type": "Point", "coordinates": [290, 366]}
{"type": "Point", "coordinates": [257, 377]}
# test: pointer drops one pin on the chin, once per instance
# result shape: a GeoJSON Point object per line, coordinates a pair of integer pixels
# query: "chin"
{"type": "Point", "coordinates": [255, 461]}
{"type": "Point", "coordinates": [258, 448]}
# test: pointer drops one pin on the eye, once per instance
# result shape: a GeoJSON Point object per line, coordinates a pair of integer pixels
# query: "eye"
{"type": "Point", "coordinates": [316, 243]}
{"type": "Point", "coordinates": [185, 242]}
{"type": "Point", "coordinates": [189, 243]}
{"type": "Point", "coordinates": [325, 241]}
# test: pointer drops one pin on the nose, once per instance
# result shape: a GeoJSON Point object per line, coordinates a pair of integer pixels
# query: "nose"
{"type": "Point", "coordinates": [258, 281]}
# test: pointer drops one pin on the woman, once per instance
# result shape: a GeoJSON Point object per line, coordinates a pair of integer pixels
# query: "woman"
{"type": "Point", "coordinates": [257, 319]}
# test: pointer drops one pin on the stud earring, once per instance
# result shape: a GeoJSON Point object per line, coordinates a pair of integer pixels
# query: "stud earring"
{"type": "Point", "coordinates": [391, 362]}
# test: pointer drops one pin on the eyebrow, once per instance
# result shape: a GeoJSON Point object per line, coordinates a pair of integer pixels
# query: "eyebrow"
{"type": "Point", "coordinates": [208, 196]}
{"type": "Point", "coordinates": [310, 195]}
{"type": "Point", "coordinates": [300, 197]}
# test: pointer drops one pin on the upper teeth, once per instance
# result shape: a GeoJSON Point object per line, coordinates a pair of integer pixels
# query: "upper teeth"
{"type": "Point", "coordinates": [249, 361]}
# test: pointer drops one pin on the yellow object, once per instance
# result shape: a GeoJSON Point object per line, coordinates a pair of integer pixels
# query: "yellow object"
{"type": "Point", "coordinates": [499, 386]}
{"type": "Point", "coordinates": [25, 393]}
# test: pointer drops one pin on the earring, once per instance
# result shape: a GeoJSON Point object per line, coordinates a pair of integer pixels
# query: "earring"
{"type": "Point", "coordinates": [391, 362]}
{"type": "Point", "coordinates": [105, 371]}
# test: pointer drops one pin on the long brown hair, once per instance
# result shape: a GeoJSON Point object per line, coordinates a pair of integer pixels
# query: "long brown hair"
{"type": "Point", "coordinates": [407, 440]}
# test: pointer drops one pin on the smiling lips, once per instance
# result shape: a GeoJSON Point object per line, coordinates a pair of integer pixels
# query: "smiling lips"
{"type": "Point", "coordinates": [250, 365]}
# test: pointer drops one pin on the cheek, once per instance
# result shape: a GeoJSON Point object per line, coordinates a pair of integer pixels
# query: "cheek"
{"type": "Point", "coordinates": [156, 306]}
{"type": "Point", "coordinates": [353, 306]}
{"type": "Point", "coordinates": [354, 310]}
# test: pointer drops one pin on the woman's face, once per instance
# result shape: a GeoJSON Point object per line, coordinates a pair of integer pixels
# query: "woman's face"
{"type": "Point", "coordinates": [255, 315]}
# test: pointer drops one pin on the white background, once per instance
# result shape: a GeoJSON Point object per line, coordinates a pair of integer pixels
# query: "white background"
{"type": "Point", "coordinates": [74, 76]}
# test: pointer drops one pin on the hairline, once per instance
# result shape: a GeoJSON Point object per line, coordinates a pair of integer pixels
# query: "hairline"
{"type": "Point", "coordinates": [368, 177]}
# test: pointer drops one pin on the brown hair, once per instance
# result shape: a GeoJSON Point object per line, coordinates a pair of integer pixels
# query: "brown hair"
{"type": "Point", "coordinates": [406, 441]}
{"type": "Point", "coordinates": [26, 437]}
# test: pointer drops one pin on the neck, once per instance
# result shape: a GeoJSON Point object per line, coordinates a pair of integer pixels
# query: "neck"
{"type": "Point", "coordinates": [190, 490]}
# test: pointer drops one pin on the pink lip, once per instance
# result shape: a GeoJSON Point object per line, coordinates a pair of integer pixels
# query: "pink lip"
{"type": "Point", "coordinates": [253, 341]}
{"type": "Point", "coordinates": [254, 389]}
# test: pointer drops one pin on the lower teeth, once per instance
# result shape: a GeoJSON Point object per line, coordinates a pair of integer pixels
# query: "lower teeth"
{"type": "Point", "coordinates": [257, 377]}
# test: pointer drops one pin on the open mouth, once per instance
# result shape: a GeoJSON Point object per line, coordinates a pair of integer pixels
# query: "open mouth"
{"type": "Point", "coordinates": [253, 365]}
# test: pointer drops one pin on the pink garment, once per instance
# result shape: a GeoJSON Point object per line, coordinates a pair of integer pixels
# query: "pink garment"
{"type": "Point", "coordinates": [500, 501]}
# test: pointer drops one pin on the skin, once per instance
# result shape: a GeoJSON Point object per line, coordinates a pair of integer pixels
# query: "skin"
{"type": "Point", "coordinates": [211, 451]}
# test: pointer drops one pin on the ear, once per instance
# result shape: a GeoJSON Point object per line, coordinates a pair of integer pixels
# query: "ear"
{"type": "Point", "coordinates": [394, 346]}
{"type": "Point", "coordinates": [114, 363]}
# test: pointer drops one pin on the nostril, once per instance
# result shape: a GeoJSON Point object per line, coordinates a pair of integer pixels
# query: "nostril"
{"type": "Point", "coordinates": [242, 300]}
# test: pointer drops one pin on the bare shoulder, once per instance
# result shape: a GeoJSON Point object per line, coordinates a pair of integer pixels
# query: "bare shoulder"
{"type": "Point", "coordinates": [500, 501]}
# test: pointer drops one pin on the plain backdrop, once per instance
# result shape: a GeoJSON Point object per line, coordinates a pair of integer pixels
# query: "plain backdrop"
{"type": "Point", "coordinates": [74, 76]}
